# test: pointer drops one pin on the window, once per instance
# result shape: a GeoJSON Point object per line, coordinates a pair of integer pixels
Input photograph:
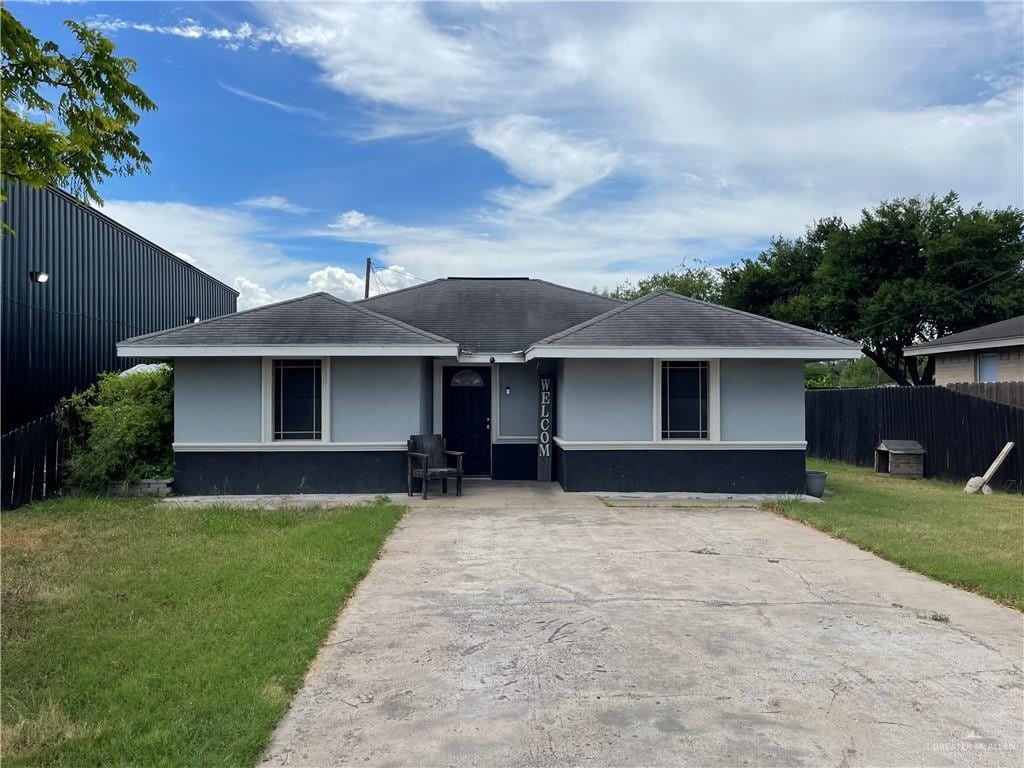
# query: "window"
{"type": "Point", "coordinates": [988, 367]}
{"type": "Point", "coordinates": [684, 400]}
{"type": "Point", "coordinates": [467, 379]}
{"type": "Point", "coordinates": [297, 400]}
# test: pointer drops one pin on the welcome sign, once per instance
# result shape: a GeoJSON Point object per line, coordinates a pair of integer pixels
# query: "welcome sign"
{"type": "Point", "coordinates": [547, 401]}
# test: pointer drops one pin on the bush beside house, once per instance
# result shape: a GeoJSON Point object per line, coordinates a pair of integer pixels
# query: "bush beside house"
{"type": "Point", "coordinates": [120, 430]}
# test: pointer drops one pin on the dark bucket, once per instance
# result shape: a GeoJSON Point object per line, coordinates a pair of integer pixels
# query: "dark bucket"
{"type": "Point", "coordinates": [816, 482]}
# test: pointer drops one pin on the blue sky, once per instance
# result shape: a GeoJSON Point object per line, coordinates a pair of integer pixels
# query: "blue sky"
{"type": "Point", "coordinates": [583, 143]}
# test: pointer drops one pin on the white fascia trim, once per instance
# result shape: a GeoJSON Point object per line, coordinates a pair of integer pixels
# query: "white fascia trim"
{"type": "Point", "coordinates": [706, 353]}
{"type": "Point", "coordinates": [285, 445]}
{"type": "Point", "coordinates": [486, 357]}
{"type": "Point", "coordinates": [680, 445]}
{"type": "Point", "coordinates": [967, 346]}
{"type": "Point", "coordinates": [291, 350]}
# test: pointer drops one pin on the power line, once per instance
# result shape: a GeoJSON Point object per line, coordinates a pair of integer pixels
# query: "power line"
{"type": "Point", "coordinates": [400, 271]}
{"type": "Point", "coordinates": [859, 331]}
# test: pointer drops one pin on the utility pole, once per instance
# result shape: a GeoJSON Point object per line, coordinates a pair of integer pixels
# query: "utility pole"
{"type": "Point", "coordinates": [366, 283]}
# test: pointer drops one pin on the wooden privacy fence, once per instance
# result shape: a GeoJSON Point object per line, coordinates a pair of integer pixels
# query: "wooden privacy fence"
{"type": "Point", "coordinates": [961, 433]}
{"type": "Point", "coordinates": [30, 462]}
{"type": "Point", "coordinates": [1009, 392]}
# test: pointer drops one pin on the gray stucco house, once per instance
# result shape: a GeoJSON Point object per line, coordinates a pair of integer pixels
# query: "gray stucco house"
{"type": "Point", "coordinates": [532, 380]}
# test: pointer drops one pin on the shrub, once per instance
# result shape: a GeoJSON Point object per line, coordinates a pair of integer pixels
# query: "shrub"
{"type": "Point", "coordinates": [120, 429]}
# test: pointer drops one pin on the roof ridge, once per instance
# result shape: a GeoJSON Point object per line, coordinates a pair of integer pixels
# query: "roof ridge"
{"type": "Point", "coordinates": [665, 292]}
{"type": "Point", "coordinates": [393, 320]}
{"type": "Point", "coordinates": [154, 334]}
{"type": "Point", "coordinates": [756, 316]}
{"type": "Point", "coordinates": [603, 316]}
{"type": "Point", "coordinates": [400, 290]}
{"type": "Point", "coordinates": [577, 290]}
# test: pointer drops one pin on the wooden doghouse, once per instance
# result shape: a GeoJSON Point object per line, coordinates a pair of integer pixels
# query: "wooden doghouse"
{"type": "Point", "coordinates": [900, 458]}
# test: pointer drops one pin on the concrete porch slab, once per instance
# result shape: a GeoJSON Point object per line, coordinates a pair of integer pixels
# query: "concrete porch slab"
{"type": "Point", "coordinates": [476, 494]}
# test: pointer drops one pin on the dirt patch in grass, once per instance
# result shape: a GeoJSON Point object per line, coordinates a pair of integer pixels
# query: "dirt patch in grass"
{"type": "Point", "coordinates": [47, 728]}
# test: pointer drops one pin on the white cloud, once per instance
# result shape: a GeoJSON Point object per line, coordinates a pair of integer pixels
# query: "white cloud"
{"type": "Point", "coordinates": [273, 203]}
{"type": "Point", "coordinates": [350, 286]}
{"type": "Point", "coordinates": [280, 106]}
{"type": "Point", "coordinates": [230, 244]}
{"type": "Point", "coordinates": [637, 133]}
{"type": "Point", "coordinates": [251, 294]}
{"type": "Point", "coordinates": [537, 154]}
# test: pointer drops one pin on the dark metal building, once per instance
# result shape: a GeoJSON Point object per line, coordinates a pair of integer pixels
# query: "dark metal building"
{"type": "Point", "coordinates": [74, 283]}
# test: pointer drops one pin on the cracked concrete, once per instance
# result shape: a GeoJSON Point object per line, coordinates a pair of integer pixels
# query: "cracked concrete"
{"type": "Point", "coordinates": [546, 635]}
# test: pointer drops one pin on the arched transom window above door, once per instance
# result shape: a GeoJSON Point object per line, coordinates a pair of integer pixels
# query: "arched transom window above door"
{"type": "Point", "coordinates": [467, 378]}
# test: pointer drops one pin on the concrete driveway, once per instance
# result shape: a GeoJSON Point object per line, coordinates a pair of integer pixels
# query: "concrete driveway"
{"type": "Point", "coordinates": [559, 631]}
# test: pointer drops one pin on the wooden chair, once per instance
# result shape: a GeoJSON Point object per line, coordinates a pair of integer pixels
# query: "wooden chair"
{"type": "Point", "coordinates": [427, 459]}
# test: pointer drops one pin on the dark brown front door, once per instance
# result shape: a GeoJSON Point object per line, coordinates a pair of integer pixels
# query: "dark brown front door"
{"type": "Point", "coordinates": [466, 416]}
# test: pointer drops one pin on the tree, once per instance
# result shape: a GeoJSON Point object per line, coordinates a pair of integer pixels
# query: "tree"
{"type": "Point", "coordinates": [862, 372]}
{"type": "Point", "coordinates": [699, 282]}
{"type": "Point", "coordinates": [909, 271]}
{"type": "Point", "coordinates": [87, 135]}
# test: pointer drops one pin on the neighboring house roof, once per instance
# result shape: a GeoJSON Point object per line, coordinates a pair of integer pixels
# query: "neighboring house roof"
{"type": "Point", "coordinates": [318, 320]}
{"type": "Point", "coordinates": [1005, 333]}
{"type": "Point", "coordinates": [666, 321]}
{"type": "Point", "coordinates": [486, 315]}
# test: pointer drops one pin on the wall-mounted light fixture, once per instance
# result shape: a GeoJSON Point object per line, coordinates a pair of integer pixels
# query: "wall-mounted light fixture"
{"type": "Point", "coordinates": [193, 318]}
{"type": "Point", "coordinates": [508, 390]}
{"type": "Point", "coordinates": [38, 276]}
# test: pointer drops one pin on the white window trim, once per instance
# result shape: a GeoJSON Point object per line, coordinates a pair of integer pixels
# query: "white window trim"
{"type": "Point", "coordinates": [437, 416]}
{"type": "Point", "coordinates": [977, 366]}
{"type": "Point", "coordinates": [714, 402]}
{"type": "Point", "coordinates": [267, 409]}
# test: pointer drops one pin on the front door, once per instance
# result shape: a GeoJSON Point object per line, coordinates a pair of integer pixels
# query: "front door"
{"type": "Point", "coordinates": [466, 416]}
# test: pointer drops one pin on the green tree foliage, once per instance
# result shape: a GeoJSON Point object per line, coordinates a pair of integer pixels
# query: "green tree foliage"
{"type": "Point", "coordinates": [699, 282]}
{"type": "Point", "coordinates": [120, 429]}
{"type": "Point", "coordinates": [819, 376]}
{"type": "Point", "coordinates": [909, 271]}
{"type": "Point", "coordinates": [68, 119]}
{"type": "Point", "coordinates": [862, 372]}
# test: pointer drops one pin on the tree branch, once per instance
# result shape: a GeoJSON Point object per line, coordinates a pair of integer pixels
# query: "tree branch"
{"type": "Point", "coordinates": [892, 372]}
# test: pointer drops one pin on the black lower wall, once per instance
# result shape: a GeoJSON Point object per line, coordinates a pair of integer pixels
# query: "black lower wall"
{"type": "Point", "coordinates": [514, 461]}
{"type": "Point", "coordinates": [688, 471]}
{"type": "Point", "coordinates": [218, 472]}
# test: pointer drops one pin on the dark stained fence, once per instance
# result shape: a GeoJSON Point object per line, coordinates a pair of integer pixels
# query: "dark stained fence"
{"type": "Point", "coordinates": [106, 283]}
{"type": "Point", "coordinates": [961, 433]}
{"type": "Point", "coordinates": [31, 459]}
{"type": "Point", "coordinates": [1009, 392]}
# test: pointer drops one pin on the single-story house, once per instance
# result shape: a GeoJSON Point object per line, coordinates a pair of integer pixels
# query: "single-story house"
{"type": "Point", "coordinates": [530, 379]}
{"type": "Point", "coordinates": [993, 352]}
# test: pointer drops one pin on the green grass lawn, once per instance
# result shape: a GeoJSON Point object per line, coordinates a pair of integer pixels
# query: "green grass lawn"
{"type": "Point", "coordinates": [140, 634]}
{"type": "Point", "coordinates": [929, 526]}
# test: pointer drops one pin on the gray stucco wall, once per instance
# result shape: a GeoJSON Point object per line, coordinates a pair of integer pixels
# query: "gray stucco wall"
{"type": "Point", "coordinates": [605, 400]}
{"type": "Point", "coordinates": [612, 400]}
{"type": "Point", "coordinates": [518, 409]}
{"type": "Point", "coordinates": [762, 399]}
{"type": "Point", "coordinates": [375, 399]}
{"type": "Point", "coordinates": [217, 400]}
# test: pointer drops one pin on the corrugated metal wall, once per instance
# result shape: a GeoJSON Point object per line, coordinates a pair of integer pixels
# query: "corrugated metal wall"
{"type": "Point", "coordinates": [106, 284]}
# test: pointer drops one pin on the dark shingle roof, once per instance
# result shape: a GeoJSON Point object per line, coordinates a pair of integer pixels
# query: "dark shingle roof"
{"type": "Point", "coordinates": [1003, 333]}
{"type": "Point", "coordinates": [318, 318]}
{"type": "Point", "coordinates": [666, 319]}
{"type": "Point", "coordinates": [491, 314]}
